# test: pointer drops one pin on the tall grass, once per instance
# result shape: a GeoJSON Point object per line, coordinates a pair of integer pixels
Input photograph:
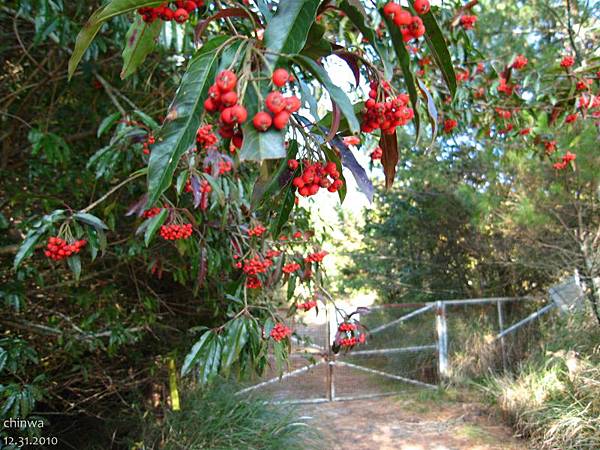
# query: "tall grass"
{"type": "Point", "coordinates": [218, 419]}
{"type": "Point", "coordinates": [554, 398]}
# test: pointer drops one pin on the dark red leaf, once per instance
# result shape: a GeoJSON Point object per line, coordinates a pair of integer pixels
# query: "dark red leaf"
{"type": "Point", "coordinates": [389, 159]}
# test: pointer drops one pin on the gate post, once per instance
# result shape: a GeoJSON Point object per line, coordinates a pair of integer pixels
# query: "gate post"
{"type": "Point", "coordinates": [502, 341]}
{"type": "Point", "coordinates": [329, 356]}
{"type": "Point", "coordinates": [442, 338]}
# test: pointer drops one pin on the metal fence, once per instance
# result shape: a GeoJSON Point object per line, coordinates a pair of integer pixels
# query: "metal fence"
{"type": "Point", "coordinates": [408, 345]}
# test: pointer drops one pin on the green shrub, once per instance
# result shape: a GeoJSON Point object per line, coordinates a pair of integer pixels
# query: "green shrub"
{"type": "Point", "coordinates": [218, 419]}
{"type": "Point", "coordinates": [554, 399]}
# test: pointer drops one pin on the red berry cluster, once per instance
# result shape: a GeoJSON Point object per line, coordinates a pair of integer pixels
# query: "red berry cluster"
{"type": "Point", "coordinates": [280, 332]}
{"type": "Point", "coordinates": [315, 176]}
{"type": "Point", "coordinates": [280, 109]}
{"type": "Point", "coordinates": [151, 212]}
{"type": "Point", "coordinates": [583, 85]}
{"type": "Point", "coordinates": [291, 267]}
{"type": "Point", "coordinates": [180, 13]}
{"type": "Point", "coordinates": [566, 159]}
{"type": "Point", "coordinates": [253, 283]}
{"type": "Point", "coordinates": [316, 257]}
{"type": "Point", "coordinates": [205, 187]}
{"type": "Point", "coordinates": [571, 118]}
{"type": "Point", "coordinates": [567, 62]}
{"type": "Point", "coordinates": [376, 154]}
{"type": "Point", "coordinates": [147, 143]}
{"type": "Point", "coordinates": [58, 249]}
{"type": "Point", "coordinates": [410, 26]}
{"type": "Point", "coordinates": [503, 113]}
{"type": "Point", "coordinates": [205, 138]}
{"type": "Point", "coordinates": [388, 114]}
{"type": "Point", "coordinates": [449, 125]}
{"type": "Point", "coordinates": [255, 265]}
{"type": "Point", "coordinates": [258, 230]}
{"type": "Point", "coordinates": [350, 330]}
{"type": "Point", "coordinates": [223, 98]}
{"type": "Point", "coordinates": [307, 306]}
{"type": "Point", "coordinates": [174, 232]}
{"type": "Point", "coordinates": [550, 147]}
{"type": "Point", "coordinates": [519, 62]}
{"type": "Point", "coordinates": [468, 21]}
{"type": "Point", "coordinates": [347, 327]}
{"type": "Point", "coordinates": [505, 87]}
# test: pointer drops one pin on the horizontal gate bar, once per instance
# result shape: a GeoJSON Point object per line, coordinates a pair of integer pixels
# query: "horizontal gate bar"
{"type": "Point", "coordinates": [284, 376]}
{"type": "Point", "coordinates": [478, 301]}
{"type": "Point", "coordinates": [299, 401]}
{"type": "Point", "coordinates": [528, 319]}
{"type": "Point", "coordinates": [385, 374]}
{"type": "Point", "coordinates": [464, 301]}
{"type": "Point", "coordinates": [346, 398]}
{"type": "Point", "coordinates": [380, 351]}
{"type": "Point", "coordinates": [401, 319]}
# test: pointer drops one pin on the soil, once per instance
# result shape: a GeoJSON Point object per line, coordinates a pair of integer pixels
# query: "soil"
{"type": "Point", "coordinates": [407, 422]}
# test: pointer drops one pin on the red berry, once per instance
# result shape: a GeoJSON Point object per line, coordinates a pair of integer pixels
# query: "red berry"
{"type": "Point", "coordinates": [275, 102]}
{"type": "Point", "coordinates": [402, 18]}
{"type": "Point", "coordinates": [229, 98]}
{"type": "Point", "coordinates": [292, 104]}
{"type": "Point", "coordinates": [292, 164]}
{"type": "Point", "coordinates": [421, 6]}
{"type": "Point", "coordinates": [298, 182]}
{"type": "Point", "coordinates": [210, 105]}
{"type": "Point", "coordinates": [190, 6]}
{"type": "Point", "coordinates": [239, 114]}
{"type": "Point", "coordinates": [262, 121]}
{"type": "Point", "coordinates": [391, 9]}
{"type": "Point", "coordinates": [181, 15]}
{"type": "Point", "coordinates": [280, 77]}
{"type": "Point", "coordinates": [280, 121]}
{"type": "Point", "coordinates": [226, 81]}
{"type": "Point", "coordinates": [167, 14]}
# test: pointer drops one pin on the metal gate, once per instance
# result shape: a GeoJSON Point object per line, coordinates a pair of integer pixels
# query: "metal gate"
{"type": "Point", "coordinates": [317, 374]}
{"type": "Point", "coordinates": [407, 346]}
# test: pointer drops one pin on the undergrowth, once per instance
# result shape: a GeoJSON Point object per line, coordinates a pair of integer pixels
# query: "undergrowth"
{"type": "Point", "coordinates": [216, 418]}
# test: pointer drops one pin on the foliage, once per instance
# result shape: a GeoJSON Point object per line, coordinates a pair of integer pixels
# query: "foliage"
{"type": "Point", "coordinates": [554, 398]}
{"type": "Point", "coordinates": [218, 419]}
{"type": "Point", "coordinates": [117, 157]}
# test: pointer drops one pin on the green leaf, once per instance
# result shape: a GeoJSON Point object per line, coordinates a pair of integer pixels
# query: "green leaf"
{"type": "Point", "coordinates": [178, 134]}
{"type": "Point", "coordinates": [258, 146]}
{"type": "Point", "coordinates": [213, 360]}
{"type": "Point", "coordinates": [3, 358]}
{"type": "Point", "coordinates": [94, 23]}
{"type": "Point", "coordinates": [272, 186]}
{"type": "Point", "coordinates": [439, 49]}
{"type": "Point", "coordinates": [404, 61]}
{"type": "Point", "coordinates": [357, 16]}
{"type": "Point", "coordinates": [195, 353]}
{"type": "Point", "coordinates": [337, 94]}
{"type": "Point", "coordinates": [28, 245]}
{"type": "Point", "coordinates": [75, 266]}
{"type": "Point", "coordinates": [431, 109]}
{"type": "Point", "coordinates": [90, 219]}
{"type": "Point", "coordinates": [236, 339]}
{"type": "Point", "coordinates": [107, 123]}
{"type": "Point", "coordinates": [4, 223]}
{"type": "Point", "coordinates": [146, 119]}
{"type": "Point", "coordinates": [288, 29]}
{"type": "Point", "coordinates": [287, 205]}
{"type": "Point", "coordinates": [154, 224]}
{"type": "Point", "coordinates": [140, 42]}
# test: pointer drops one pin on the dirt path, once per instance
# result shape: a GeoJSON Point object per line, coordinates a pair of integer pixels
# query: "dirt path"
{"type": "Point", "coordinates": [409, 422]}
